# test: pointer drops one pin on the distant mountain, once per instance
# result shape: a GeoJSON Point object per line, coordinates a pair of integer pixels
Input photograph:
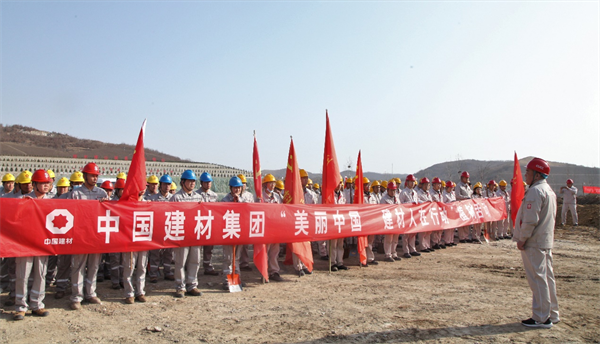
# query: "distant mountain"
{"type": "Point", "coordinates": [317, 177]}
{"type": "Point", "coordinates": [25, 141]}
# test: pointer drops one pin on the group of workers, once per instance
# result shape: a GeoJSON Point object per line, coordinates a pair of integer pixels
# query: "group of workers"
{"type": "Point", "coordinates": [128, 270]}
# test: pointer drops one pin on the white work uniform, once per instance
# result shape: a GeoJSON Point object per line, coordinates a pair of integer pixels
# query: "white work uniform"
{"type": "Point", "coordinates": [569, 204]}
{"type": "Point", "coordinates": [424, 237]}
{"type": "Point", "coordinates": [187, 259]}
{"type": "Point", "coordinates": [408, 196]}
{"type": "Point", "coordinates": [247, 197]}
{"type": "Point", "coordinates": [208, 196]}
{"type": "Point", "coordinates": [390, 241]}
{"type": "Point", "coordinates": [228, 249]}
{"type": "Point", "coordinates": [493, 225]}
{"type": "Point", "coordinates": [503, 225]}
{"type": "Point", "coordinates": [436, 236]}
{"type": "Point", "coordinates": [534, 224]}
{"type": "Point", "coordinates": [463, 191]}
{"type": "Point", "coordinates": [337, 245]}
{"type": "Point", "coordinates": [370, 198]}
{"type": "Point", "coordinates": [79, 276]}
{"type": "Point", "coordinates": [164, 254]}
{"type": "Point", "coordinates": [272, 249]}
{"type": "Point", "coordinates": [448, 197]}
{"type": "Point", "coordinates": [476, 235]}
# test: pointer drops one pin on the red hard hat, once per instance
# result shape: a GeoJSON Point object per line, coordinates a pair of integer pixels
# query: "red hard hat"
{"type": "Point", "coordinates": [492, 182]}
{"type": "Point", "coordinates": [40, 176]}
{"type": "Point", "coordinates": [410, 178]}
{"type": "Point", "coordinates": [424, 180]}
{"type": "Point", "coordinates": [436, 180]}
{"type": "Point", "coordinates": [539, 165]}
{"type": "Point", "coordinates": [91, 168]}
{"type": "Point", "coordinates": [465, 174]}
{"type": "Point", "coordinates": [449, 184]}
{"type": "Point", "coordinates": [120, 184]}
{"type": "Point", "coordinates": [107, 185]}
{"type": "Point", "coordinates": [569, 181]}
{"type": "Point", "coordinates": [392, 186]}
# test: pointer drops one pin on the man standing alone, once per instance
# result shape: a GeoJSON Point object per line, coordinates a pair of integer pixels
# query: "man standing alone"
{"type": "Point", "coordinates": [534, 233]}
{"type": "Point", "coordinates": [569, 194]}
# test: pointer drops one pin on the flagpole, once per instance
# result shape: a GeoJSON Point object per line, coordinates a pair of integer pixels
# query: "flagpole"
{"type": "Point", "coordinates": [329, 244]}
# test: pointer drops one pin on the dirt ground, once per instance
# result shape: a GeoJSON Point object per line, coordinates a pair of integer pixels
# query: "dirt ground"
{"type": "Point", "coordinates": [465, 294]}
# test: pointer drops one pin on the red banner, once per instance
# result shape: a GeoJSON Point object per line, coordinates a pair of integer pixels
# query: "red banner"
{"type": "Point", "coordinates": [591, 189]}
{"type": "Point", "coordinates": [31, 227]}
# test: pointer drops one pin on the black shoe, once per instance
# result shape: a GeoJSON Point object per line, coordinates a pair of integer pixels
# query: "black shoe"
{"type": "Point", "coordinates": [532, 323]}
{"type": "Point", "coordinates": [301, 273]}
{"type": "Point", "coordinates": [443, 246]}
{"type": "Point", "coordinates": [246, 268]}
{"type": "Point", "coordinates": [306, 271]}
{"type": "Point", "coordinates": [462, 241]}
{"type": "Point", "coordinates": [374, 262]}
{"type": "Point", "coordinates": [364, 265]}
{"type": "Point", "coordinates": [334, 268]}
{"type": "Point", "coordinates": [469, 240]}
{"type": "Point", "coordinates": [407, 255]}
{"type": "Point", "coordinates": [436, 247]}
{"type": "Point", "coordinates": [154, 280]}
{"type": "Point", "coordinates": [425, 251]}
{"type": "Point", "coordinates": [211, 273]}
{"type": "Point", "coordinates": [275, 277]}
{"type": "Point", "coordinates": [342, 267]}
{"type": "Point", "coordinates": [324, 257]}
{"type": "Point", "coordinates": [415, 254]}
{"type": "Point", "coordinates": [389, 259]}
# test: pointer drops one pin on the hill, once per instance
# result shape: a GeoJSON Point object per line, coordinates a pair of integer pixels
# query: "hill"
{"type": "Point", "coordinates": [25, 141]}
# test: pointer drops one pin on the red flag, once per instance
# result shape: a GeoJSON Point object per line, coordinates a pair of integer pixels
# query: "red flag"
{"type": "Point", "coordinates": [256, 171]}
{"type": "Point", "coordinates": [363, 242]}
{"type": "Point", "coordinates": [331, 171]}
{"type": "Point", "coordinates": [517, 191]}
{"type": "Point", "coordinates": [260, 250]}
{"type": "Point", "coordinates": [136, 179]}
{"type": "Point", "coordinates": [294, 194]}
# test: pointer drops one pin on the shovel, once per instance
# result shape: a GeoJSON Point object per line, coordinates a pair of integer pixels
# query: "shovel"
{"type": "Point", "coordinates": [233, 279]}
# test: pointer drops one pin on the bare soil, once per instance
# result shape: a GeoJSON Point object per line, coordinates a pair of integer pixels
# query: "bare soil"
{"type": "Point", "coordinates": [465, 294]}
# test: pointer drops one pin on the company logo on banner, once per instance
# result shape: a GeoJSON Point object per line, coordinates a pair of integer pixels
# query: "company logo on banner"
{"type": "Point", "coordinates": [59, 221]}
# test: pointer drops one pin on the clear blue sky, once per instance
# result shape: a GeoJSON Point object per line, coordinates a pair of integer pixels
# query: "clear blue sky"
{"type": "Point", "coordinates": [410, 83]}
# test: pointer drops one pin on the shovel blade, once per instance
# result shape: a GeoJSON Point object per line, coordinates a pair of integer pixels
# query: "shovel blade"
{"type": "Point", "coordinates": [235, 284]}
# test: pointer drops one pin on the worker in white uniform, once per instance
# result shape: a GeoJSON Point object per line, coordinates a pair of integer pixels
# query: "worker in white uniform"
{"type": "Point", "coordinates": [247, 197]}
{"type": "Point", "coordinates": [534, 233]}
{"type": "Point", "coordinates": [503, 225]}
{"type": "Point", "coordinates": [423, 196]}
{"type": "Point", "coordinates": [390, 241]}
{"type": "Point", "coordinates": [409, 196]}
{"type": "Point", "coordinates": [492, 225]}
{"type": "Point", "coordinates": [448, 197]}
{"type": "Point", "coordinates": [463, 191]}
{"type": "Point", "coordinates": [436, 196]}
{"type": "Point", "coordinates": [569, 194]}
{"type": "Point", "coordinates": [270, 196]}
{"type": "Point", "coordinates": [207, 195]}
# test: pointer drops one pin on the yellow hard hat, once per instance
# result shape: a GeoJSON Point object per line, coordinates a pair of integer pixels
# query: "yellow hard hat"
{"type": "Point", "coordinates": [268, 178]}
{"type": "Point", "coordinates": [121, 175]}
{"type": "Point", "coordinates": [503, 183]}
{"type": "Point", "coordinates": [62, 182]}
{"type": "Point", "coordinates": [443, 184]}
{"type": "Point", "coordinates": [317, 186]}
{"type": "Point", "coordinates": [23, 178]}
{"type": "Point", "coordinates": [375, 183]}
{"type": "Point", "coordinates": [280, 185]}
{"type": "Point", "coordinates": [384, 183]}
{"type": "Point", "coordinates": [303, 173]}
{"type": "Point", "coordinates": [310, 181]}
{"type": "Point", "coordinates": [173, 186]}
{"type": "Point", "coordinates": [477, 185]}
{"type": "Point", "coordinates": [51, 174]}
{"type": "Point", "coordinates": [366, 180]}
{"type": "Point", "coordinates": [349, 180]}
{"type": "Point", "coordinates": [76, 177]}
{"type": "Point", "coordinates": [242, 178]}
{"type": "Point", "coordinates": [392, 181]}
{"type": "Point", "coordinates": [8, 178]}
{"type": "Point", "coordinates": [152, 180]}
{"type": "Point", "coordinates": [398, 181]}
{"type": "Point", "coordinates": [341, 179]}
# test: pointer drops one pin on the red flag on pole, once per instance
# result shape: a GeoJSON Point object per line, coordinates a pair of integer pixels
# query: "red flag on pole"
{"type": "Point", "coordinates": [517, 191]}
{"type": "Point", "coordinates": [359, 199]}
{"type": "Point", "coordinates": [294, 194]}
{"type": "Point", "coordinates": [136, 179]}
{"type": "Point", "coordinates": [331, 171]}
{"type": "Point", "coordinates": [260, 250]}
